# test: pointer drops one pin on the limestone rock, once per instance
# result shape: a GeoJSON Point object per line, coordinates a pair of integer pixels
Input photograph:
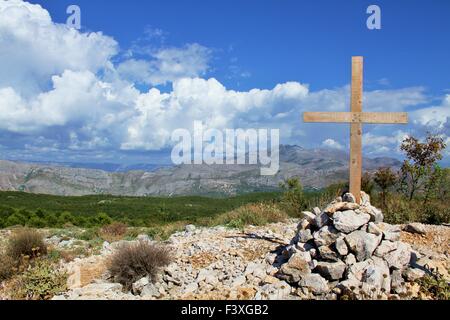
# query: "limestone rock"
{"type": "Point", "coordinates": [258, 270]}
{"type": "Point", "coordinates": [392, 236]}
{"type": "Point", "coordinates": [321, 220]}
{"type": "Point", "coordinates": [385, 247]}
{"type": "Point", "coordinates": [348, 287]}
{"type": "Point", "coordinates": [390, 232]}
{"type": "Point", "coordinates": [375, 214]}
{"type": "Point", "coordinates": [326, 236]}
{"type": "Point", "coordinates": [340, 206]}
{"type": "Point", "coordinates": [349, 221]}
{"type": "Point", "coordinates": [362, 244]}
{"type": "Point", "coordinates": [365, 199]}
{"type": "Point", "coordinates": [150, 291]}
{"type": "Point", "coordinates": [350, 259]}
{"type": "Point", "coordinates": [341, 246]}
{"type": "Point", "coordinates": [276, 291]}
{"type": "Point", "coordinates": [413, 274]}
{"type": "Point", "coordinates": [139, 285]}
{"type": "Point", "coordinates": [331, 270]}
{"type": "Point", "coordinates": [397, 282]}
{"type": "Point", "coordinates": [303, 225]}
{"type": "Point", "coordinates": [305, 235]}
{"type": "Point", "coordinates": [327, 253]}
{"type": "Point", "coordinates": [372, 228]}
{"type": "Point", "coordinates": [295, 268]}
{"type": "Point", "coordinates": [208, 276]}
{"type": "Point", "coordinates": [315, 283]}
{"type": "Point", "coordinates": [378, 275]}
{"type": "Point", "coordinates": [190, 288]}
{"type": "Point", "coordinates": [356, 270]}
{"type": "Point", "coordinates": [190, 228]}
{"type": "Point", "coordinates": [309, 216]}
{"type": "Point", "coordinates": [415, 228]}
{"type": "Point", "coordinates": [400, 257]}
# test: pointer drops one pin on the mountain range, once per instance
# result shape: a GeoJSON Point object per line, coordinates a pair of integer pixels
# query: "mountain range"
{"type": "Point", "coordinates": [316, 168]}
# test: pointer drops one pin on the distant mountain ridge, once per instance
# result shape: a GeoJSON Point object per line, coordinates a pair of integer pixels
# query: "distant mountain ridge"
{"type": "Point", "coordinates": [104, 166]}
{"type": "Point", "coordinates": [316, 168]}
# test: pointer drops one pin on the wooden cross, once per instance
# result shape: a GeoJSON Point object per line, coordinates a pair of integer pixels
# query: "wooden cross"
{"type": "Point", "coordinates": [356, 118]}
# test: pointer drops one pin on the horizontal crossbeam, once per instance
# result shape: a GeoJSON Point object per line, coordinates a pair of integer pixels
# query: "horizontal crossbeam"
{"type": "Point", "coordinates": [357, 117]}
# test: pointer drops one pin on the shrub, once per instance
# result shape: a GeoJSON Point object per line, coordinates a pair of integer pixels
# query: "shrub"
{"type": "Point", "coordinates": [7, 266]}
{"type": "Point", "coordinates": [41, 281]}
{"type": "Point", "coordinates": [103, 219]}
{"type": "Point", "coordinates": [293, 199]}
{"type": "Point", "coordinates": [132, 262]}
{"type": "Point", "coordinates": [114, 231]}
{"type": "Point", "coordinates": [66, 218]}
{"type": "Point", "coordinates": [15, 220]}
{"type": "Point", "coordinates": [252, 214]}
{"type": "Point", "coordinates": [434, 285]}
{"type": "Point", "coordinates": [26, 242]}
{"type": "Point", "coordinates": [89, 234]}
{"type": "Point", "coordinates": [36, 222]}
{"type": "Point", "coordinates": [400, 210]}
{"type": "Point", "coordinates": [51, 219]}
{"type": "Point", "coordinates": [323, 197]}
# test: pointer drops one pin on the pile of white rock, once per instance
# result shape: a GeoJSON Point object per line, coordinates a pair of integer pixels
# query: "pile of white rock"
{"type": "Point", "coordinates": [346, 251]}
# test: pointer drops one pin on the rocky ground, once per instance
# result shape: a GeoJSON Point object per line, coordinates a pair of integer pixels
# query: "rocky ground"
{"type": "Point", "coordinates": [317, 257]}
{"type": "Point", "coordinates": [343, 251]}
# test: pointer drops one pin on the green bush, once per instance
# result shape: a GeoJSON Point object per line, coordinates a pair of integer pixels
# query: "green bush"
{"type": "Point", "coordinates": [400, 210]}
{"type": "Point", "coordinates": [132, 262]}
{"type": "Point", "coordinates": [89, 234]}
{"type": "Point", "coordinates": [41, 281]}
{"type": "Point", "coordinates": [36, 222]}
{"type": "Point", "coordinates": [15, 220]}
{"type": "Point", "coordinates": [66, 218]}
{"type": "Point", "coordinates": [435, 285]}
{"type": "Point", "coordinates": [293, 199]}
{"type": "Point", "coordinates": [103, 219]}
{"type": "Point", "coordinates": [26, 242]}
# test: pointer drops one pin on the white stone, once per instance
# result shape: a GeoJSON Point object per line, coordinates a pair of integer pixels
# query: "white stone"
{"type": "Point", "coordinates": [400, 257]}
{"type": "Point", "coordinates": [372, 228]}
{"type": "Point", "coordinates": [326, 236]}
{"type": "Point", "coordinates": [349, 221]}
{"type": "Point", "coordinates": [331, 270]}
{"type": "Point", "coordinates": [309, 216]}
{"type": "Point", "coordinates": [385, 247]}
{"type": "Point", "coordinates": [139, 285]}
{"type": "Point", "coordinates": [341, 246]}
{"type": "Point", "coordinates": [190, 228]}
{"type": "Point", "coordinates": [315, 283]}
{"type": "Point", "coordinates": [304, 236]}
{"type": "Point", "coordinates": [362, 244]}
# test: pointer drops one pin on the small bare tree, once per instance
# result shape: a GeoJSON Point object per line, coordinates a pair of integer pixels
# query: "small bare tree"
{"type": "Point", "coordinates": [385, 178]}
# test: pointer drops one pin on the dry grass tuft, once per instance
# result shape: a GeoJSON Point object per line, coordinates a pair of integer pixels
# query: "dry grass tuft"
{"type": "Point", "coordinates": [26, 243]}
{"type": "Point", "coordinates": [114, 231]}
{"type": "Point", "coordinates": [132, 262]}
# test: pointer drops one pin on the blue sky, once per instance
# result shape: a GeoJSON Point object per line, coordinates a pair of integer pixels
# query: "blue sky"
{"type": "Point", "coordinates": [159, 65]}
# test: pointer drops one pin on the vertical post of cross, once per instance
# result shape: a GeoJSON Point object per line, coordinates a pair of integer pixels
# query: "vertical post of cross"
{"type": "Point", "coordinates": [356, 128]}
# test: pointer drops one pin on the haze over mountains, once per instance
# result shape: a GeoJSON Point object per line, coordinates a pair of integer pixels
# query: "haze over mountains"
{"type": "Point", "coordinates": [316, 168]}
